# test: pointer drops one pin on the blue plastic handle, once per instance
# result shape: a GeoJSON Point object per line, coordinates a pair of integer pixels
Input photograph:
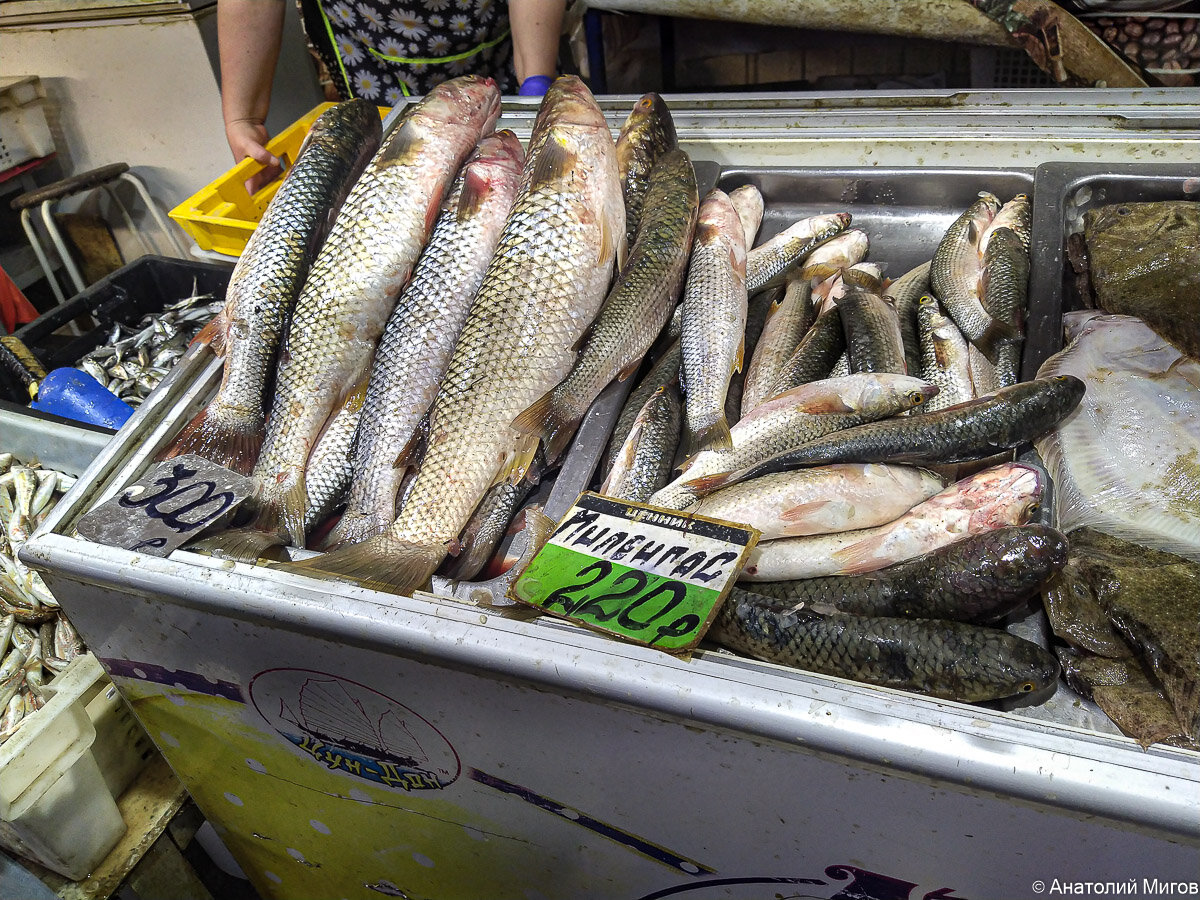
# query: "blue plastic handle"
{"type": "Point", "coordinates": [77, 395]}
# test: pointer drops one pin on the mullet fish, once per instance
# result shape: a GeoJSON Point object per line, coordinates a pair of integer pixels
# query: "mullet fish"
{"type": "Point", "coordinates": [542, 289]}
{"type": "Point", "coordinates": [356, 279]}
{"type": "Point", "coordinates": [267, 279]}
{"type": "Point", "coordinates": [419, 337]}
{"type": "Point", "coordinates": [647, 134]}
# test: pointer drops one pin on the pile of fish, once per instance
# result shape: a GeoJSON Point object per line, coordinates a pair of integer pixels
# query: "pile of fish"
{"type": "Point", "coordinates": [871, 446]}
{"type": "Point", "coordinates": [135, 358]}
{"type": "Point", "coordinates": [429, 363]}
{"type": "Point", "coordinates": [36, 640]}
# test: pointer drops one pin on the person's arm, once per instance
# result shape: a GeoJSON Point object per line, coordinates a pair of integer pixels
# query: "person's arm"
{"type": "Point", "coordinates": [249, 34]}
{"type": "Point", "coordinates": [536, 28]}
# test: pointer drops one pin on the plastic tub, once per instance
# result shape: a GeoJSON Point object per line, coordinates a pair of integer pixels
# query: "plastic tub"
{"type": "Point", "coordinates": [222, 215]}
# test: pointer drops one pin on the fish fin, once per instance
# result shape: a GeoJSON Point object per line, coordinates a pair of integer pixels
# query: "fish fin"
{"type": "Point", "coordinates": [859, 557]}
{"type": "Point", "coordinates": [711, 437]}
{"type": "Point", "coordinates": [380, 563]}
{"type": "Point", "coordinates": [409, 451]}
{"type": "Point", "coordinates": [549, 419]}
{"type": "Point", "coordinates": [801, 511]}
{"type": "Point", "coordinates": [821, 271]}
{"type": "Point", "coordinates": [629, 369]}
{"type": "Point", "coordinates": [474, 191]}
{"type": "Point", "coordinates": [994, 334]}
{"type": "Point", "coordinates": [240, 544]}
{"type": "Point", "coordinates": [518, 463]}
{"type": "Point", "coordinates": [227, 440]}
{"type": "Point", "coordinates": [553, 163]}
{"type": "Point", "coordinates": [864, 280]}
{"type": "Point", "coordinates": [707, 484]}
{"type": "Point", "coordinates": [213, 334]}
{"type": "Point", "coordinates": [741, 358]}
{"type": "Point", "coordinates": [609, 247]}
{"type": "Point", "coordinates": [625, 456]}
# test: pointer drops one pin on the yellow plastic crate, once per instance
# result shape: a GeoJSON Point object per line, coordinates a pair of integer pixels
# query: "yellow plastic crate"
{"type": "Point", "coordinates": [222, 215]}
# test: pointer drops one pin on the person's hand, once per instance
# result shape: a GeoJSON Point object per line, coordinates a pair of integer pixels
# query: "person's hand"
{"type": "Point", "coordinates": [248, 139]}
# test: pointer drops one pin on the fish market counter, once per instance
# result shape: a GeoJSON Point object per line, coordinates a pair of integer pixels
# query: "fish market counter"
{"type": "Point", "coordinates": [346, 742]}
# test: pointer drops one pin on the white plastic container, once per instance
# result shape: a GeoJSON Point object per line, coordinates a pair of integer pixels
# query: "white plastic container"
{"type": "Point", "coordinates": [56, 807]}
{"type": "Point", "coordinates": [24, 132]}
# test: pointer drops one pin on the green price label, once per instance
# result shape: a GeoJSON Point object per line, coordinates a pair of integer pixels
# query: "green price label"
{"type": "Point", "coordinates": [648, 575]}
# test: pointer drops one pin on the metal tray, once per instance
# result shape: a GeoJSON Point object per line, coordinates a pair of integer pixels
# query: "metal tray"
{"type": "Point", "coordinates": [1064, 192]}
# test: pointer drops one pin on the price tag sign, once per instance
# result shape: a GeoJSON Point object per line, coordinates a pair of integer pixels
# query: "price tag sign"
{"type": "Point", "coordinates": [166, 508]}
{"type": "Point", "coordinates": [649, 575]}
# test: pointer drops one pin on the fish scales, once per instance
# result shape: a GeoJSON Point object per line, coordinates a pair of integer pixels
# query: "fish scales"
{"type": "Point", "coordinates": [949, 660]}
{"type": "Point", "coordinates": [1007, 494]}
{"type": "Point", "coordinates": [816, 354]}
{"type": "Point", "coordinates": [486, 528]}
{"type": "Point", "coordinates": [635, 310]}
{"type": "Point", "coordinates": [644, 463]}
{"type": "Point", "coordinates": [648, 133]}
{"type": "Point", "coordinates": [1005, 292]}
{"type": "Point", "coordinates": [980, 579]}
{"type": "Point", "coordinates": [268, 277]}
{"type": "Point", "coordinates": [541, 290]}
{"type": "Point", "coordinates": [714, 322]}
{"type": "Point", "coordinates": [420, 334]}
{"type": "Point", "coordinates": [793, 418]}
{"type": "Point", "coordinates": [356, 278]}
{"type": "Point", "coordinates": [873, 339]}
{"type": "Point", "coordinates": [904, 293]}
{"type": "Point", "coordinates": [975, 429]}
{"type": "Point", "coordinates": [664, 371]}
{"type": "Point", "coordinates": [768, 264]}
{"type": "Point", "coordinates": [945, 359]}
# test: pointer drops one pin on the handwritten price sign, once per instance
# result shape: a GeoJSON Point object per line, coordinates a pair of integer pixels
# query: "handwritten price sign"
{"type": "Point", "coordinates": [648, 575]}
{"type": "Point", "coordinates": [172, 504]}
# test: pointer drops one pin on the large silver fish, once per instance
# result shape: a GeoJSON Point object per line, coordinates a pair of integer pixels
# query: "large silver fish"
{"type": "Point", "coordinates": [416, 345]}
{"type": "Point", "coordinates": [644, 463]}
{"type": "Point", "coordinates": [647, 134]}
{"type": "Point", "coordinates": [268, 277]}
{"type": "Point", "coordinates": [542, 289]}
{"type": "Point", "coordinates": [356, 279]}
{"type": "Point", "coordinates": [714, 322]}
{"type": "Point", "coordinates": [636, 309]}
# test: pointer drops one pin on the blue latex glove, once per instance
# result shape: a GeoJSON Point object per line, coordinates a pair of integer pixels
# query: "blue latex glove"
{"type": "Point", "coordinates": [535, 86]}
{"type": "Point", "coordinates": [77, 395]}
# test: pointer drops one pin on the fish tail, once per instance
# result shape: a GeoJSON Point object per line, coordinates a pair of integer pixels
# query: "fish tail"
{"type": "Point", "coordinates": [710, 437]}
{"type": "Point", "coordinates": [240, 544]}
{"type": "Point", "coordinates": [707, 484]}
{"type": "Point", "coordinates": [222, 436]}
{"type": "Point", "coordinates": [355, 527]}
{"type": "Point", "coordinates": [995, 333]}
{"type": "Point", "coordinates": [552, 420]}
{"type": "Point", "coordinates": [381, 562]}
{"type": "Point", "coordinates": [283, 506]}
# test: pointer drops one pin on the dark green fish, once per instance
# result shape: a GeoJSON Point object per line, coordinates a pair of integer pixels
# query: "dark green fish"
{"type": "Point", "coordinates": [905, 292]}
{"type": "Point", "coordinates": [1005, 290]}
{"type": "Point", "coordinates": [1076, 617]}
{"type": "Point", "coordinates": [976, 429]}
{"type": "Point", "coordinates": [873, 339]}
{"type": "Point", "coordinates": [979, 579]}
{"type": "Point", "coordinates": [647, 134]}
{"type": "Point", "coordinates": [950, 660]}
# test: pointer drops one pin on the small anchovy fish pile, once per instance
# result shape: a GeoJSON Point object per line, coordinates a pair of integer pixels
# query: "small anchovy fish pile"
{"type": "Point", "coordinates": [36, 640]}
{"type": "Point", "coordinates": [135, 358]}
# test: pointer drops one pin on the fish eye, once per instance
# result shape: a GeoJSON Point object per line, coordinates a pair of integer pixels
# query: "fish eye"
{"type": "Point", "coordinates": [1027, 687]}
{"type": "Point", "coordinates": [1032, 510]}
{"type": "Point", "coordinates": [916, 397]}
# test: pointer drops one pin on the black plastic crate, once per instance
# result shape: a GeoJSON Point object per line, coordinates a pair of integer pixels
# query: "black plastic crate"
{"type": "Point", "coordinates": [146, 285]}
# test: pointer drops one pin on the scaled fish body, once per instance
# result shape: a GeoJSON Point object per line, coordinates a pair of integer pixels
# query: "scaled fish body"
{"type": "Point", "coordinates": [956, 270]}
{"type": "Point", "coordinates": [816, 354]}
{"type": "Point", "coordinates": [748, 202]}
{"type": "Point", "coordinates": [768, 264]}
{"type": "Point", "coordinates": [419, 337]}
{"type": "Point", "coordinates": [644, 464]}
{"type": "Point", "coordinates": [873, 339]}
{"type": "Point", "coordinates": [542, 289]}
{"type": "Point", "coordinates": [356, 279]}
{"type": "Point", "coordinates": [975, 429]}
{"type": "Point", "coordinates": [647, 134]}
{"type": "Point", "coordinates": [268, 277]}
{"type": "Point", "coordinates": [714, 322]}
{"type": "Point", "coordinates": [904, 293]}
{"type": "Point", "coordinates": [1005, 291]}
{"type": "Point", "coordinates": [793, 418]}
{"type": "Point", "coordinates": [944, 357]}
{"type": "Point", "coordinates": [979, 579]}
{"type": "Point", "coordinates": [950, 660]}
{"type": "Point", "coordinates": [636, 309]}
{"type": "Point", "coordinates": [823, 499]}
{"type": "Point", "coordinates": [1008, 494]}
{"type": "Point", "coordinates": [664, 372]}
{"type": "Point", "coordinates": [789, 319]}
